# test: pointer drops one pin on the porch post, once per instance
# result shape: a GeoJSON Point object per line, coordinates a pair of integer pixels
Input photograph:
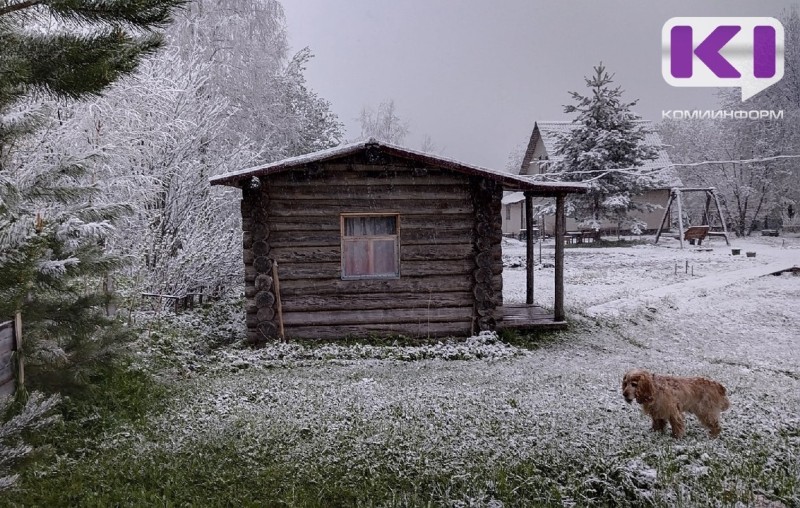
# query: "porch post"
{"type": "Point", "coordinates": [559, 227]}
{"type": "Point", "coordinates": [529, 255]}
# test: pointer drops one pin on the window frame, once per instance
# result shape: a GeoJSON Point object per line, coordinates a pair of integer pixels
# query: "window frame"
{"type": "Point", "coordinates": [370, 239]}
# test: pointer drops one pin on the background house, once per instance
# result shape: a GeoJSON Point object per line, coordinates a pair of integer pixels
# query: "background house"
{"type": "Point", "coordinates": [539, 157]}
{"type": "Point", "coordinates": [374, 239]}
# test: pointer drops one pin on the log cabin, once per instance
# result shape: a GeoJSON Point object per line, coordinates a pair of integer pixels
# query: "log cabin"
{"type": "Point", "coordinates": [372, 239]}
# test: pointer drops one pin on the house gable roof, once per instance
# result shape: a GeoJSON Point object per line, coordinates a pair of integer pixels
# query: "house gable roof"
{"type": "Point", "coordinates": [548, 132]}
{"type": "Point", "coordinates": [372, 146]}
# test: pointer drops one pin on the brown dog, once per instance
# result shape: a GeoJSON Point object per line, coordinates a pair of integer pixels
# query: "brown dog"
{"type": "Point", "coordinates": [665, 398]}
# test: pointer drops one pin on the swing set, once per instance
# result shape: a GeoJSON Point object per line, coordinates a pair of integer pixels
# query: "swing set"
{"type": "Point", "coordinates": [699, 232]}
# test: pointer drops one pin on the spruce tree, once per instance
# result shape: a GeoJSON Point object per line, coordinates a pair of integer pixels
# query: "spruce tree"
{"type": "Point", "coordinates": [606, 149]}
{"type": "Point", "coordinates": [52, 223]}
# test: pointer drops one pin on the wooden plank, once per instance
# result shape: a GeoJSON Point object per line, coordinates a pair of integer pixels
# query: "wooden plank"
{"type": "Point", "coordinates": [6, 366]}
{"type": "Point", "coordinates": [435, 284]}
{"type": "Point", "coordinates": [302, 223]}
{"type": "Point", "coordinates": [359, 174]}
{"type": "Point", "coordinates": [332, 254]}
{"type": "Point", "coordinates": [7, 389]}
{"type": "Point", "coordinates": [311, 191]}
{"type": "Point", "coordinates": [297, 239]}
{"type": "Point", "coordinates": [6, 343]}
{"type": "Point", "coordinates": [435, 237]}
{"type": "Point", "coordinates": [407, 269]}
{"type": "Point", "coordinates": [326, 207]}
{"type": "Point", "coordinates": [434, 252]}
{"type": "Point", "coordinates": [386, 316]}
{"type": "Point", "coordinates": [527, 317]}
{"type": "Point", "coordinates": [291, 256]}
{"type": "Point", "coordinates": [6, 330]}
{"type": "Point", "coordinates": [355, 172]}
{"type": "Point", "coordinates": [377, 301]}
{"type": "Point", "coordinates": [445, 329]}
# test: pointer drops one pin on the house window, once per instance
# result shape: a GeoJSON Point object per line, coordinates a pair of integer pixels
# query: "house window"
{"type": "Point", "coordinates": [370, 246]}
{"type": "Point", "coordinates": [508, 212]}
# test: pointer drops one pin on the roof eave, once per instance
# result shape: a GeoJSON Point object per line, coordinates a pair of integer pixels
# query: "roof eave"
{"type": "Point", "coordinates": [513, 182]}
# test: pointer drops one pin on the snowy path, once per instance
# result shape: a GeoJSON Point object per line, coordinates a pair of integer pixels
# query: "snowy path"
{"type": "Point", "coordinates": [786, 260]}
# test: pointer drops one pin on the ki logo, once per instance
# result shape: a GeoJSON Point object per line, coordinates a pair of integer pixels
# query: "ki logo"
{"type": "Point", "coordinates": [723, 52]}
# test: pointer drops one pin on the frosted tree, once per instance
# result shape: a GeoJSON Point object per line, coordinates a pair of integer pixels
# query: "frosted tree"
{"type": "Point", "coordinates": [606, 150]}
{"type": "Point", "coordinates": [169, 134]}
{"type": "Point", "coordinates": [53, 225]}
{"type": "Point", "coordinates": [316, 126]}
{"type": "Point", "coordinates": [34, 415]}
{"type": "Point", "coordinates": [428, 145]}
{"type": "Point", "coordinates": [383, 124]}
{"type": "Point", "coordinates": [246, 44]}
{"type": "Point", "coordinates": [515, 158]}
{"type": "Point", "coordinates": [220, 97]}
{"type": "Point", "coordinates": [223, 97]}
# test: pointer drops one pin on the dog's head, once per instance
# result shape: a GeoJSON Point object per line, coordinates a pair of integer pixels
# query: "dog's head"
{"type": "Point", "coordinates": [637, 384]}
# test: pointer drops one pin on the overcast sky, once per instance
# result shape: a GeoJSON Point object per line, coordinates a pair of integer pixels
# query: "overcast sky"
{"type": "Point", "coordinates": [475, 75]}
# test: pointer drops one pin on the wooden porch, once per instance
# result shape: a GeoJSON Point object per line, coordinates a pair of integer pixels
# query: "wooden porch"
{"type": "Point", "coordinates": [520, 316]}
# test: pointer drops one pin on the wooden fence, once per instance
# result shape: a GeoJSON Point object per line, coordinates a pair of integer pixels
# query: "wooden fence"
{"type": "Point", "coordinates": [182, 301]}
{"type": "Point", "coordinates": [11, 371]}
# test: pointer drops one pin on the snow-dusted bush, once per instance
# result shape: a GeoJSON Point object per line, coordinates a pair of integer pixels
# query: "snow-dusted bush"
{"type": "Point", "coordinates": [33, 416]}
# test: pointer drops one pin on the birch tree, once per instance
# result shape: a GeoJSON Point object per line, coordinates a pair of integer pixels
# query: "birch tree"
{"type": "Point", "coordinates": [383, 123]}
{"type": "Point", "coordinates": [222, 96]}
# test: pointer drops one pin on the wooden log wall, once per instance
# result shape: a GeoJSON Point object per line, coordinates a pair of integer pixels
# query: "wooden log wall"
{"type": "Point", "coordinates": [294, 219]}
{"type": "Point", "coordinates": [487, 253]}
{"type": "Point", "coordinates": [260, 298]}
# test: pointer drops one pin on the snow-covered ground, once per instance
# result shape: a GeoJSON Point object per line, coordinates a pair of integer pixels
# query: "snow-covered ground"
{"type": "Point", "coordinates": [459, 410]}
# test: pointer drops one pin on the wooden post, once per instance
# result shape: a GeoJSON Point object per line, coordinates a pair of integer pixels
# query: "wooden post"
{"type": "Point", "coordinates": [20, 359]}
{"type": "Point", "coordinates": [666, 214]}
{"type": "Point", "coordinates": [721, 217]}
{"type": "Point", "coordinates": [680, 215]}
{"type": "Point", "coordinates": [529, 253]}
{"type": "Point", "coordinates": [277, 284]}
{"type": "Point", "coordinates": [706, 218]}
{"type": "Point", "coordinates": [560, 227]}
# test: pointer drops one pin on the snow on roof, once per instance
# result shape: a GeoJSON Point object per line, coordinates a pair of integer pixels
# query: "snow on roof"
{"type": "Point", "coordinates": [512, 181]}
{"type": "Point", "coordinates": [513, 197]}
{"type": "Point", "coordinates": [549, 131]}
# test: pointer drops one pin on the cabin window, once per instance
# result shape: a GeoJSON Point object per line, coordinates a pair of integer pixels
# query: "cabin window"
{"type": "Point", "coordinates": [370, 246]}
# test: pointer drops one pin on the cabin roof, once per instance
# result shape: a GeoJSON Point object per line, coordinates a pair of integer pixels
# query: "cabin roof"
{"type": "Point", "coordinates": [509, 181]}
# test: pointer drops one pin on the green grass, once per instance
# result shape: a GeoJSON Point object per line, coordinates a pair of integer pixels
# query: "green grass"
{"type": "Point", "coordinates": [113, 449]}
{"type": "Point", "coordinates": [113, 398]}
{"type": "Point", "coordinates": [217, 474]}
